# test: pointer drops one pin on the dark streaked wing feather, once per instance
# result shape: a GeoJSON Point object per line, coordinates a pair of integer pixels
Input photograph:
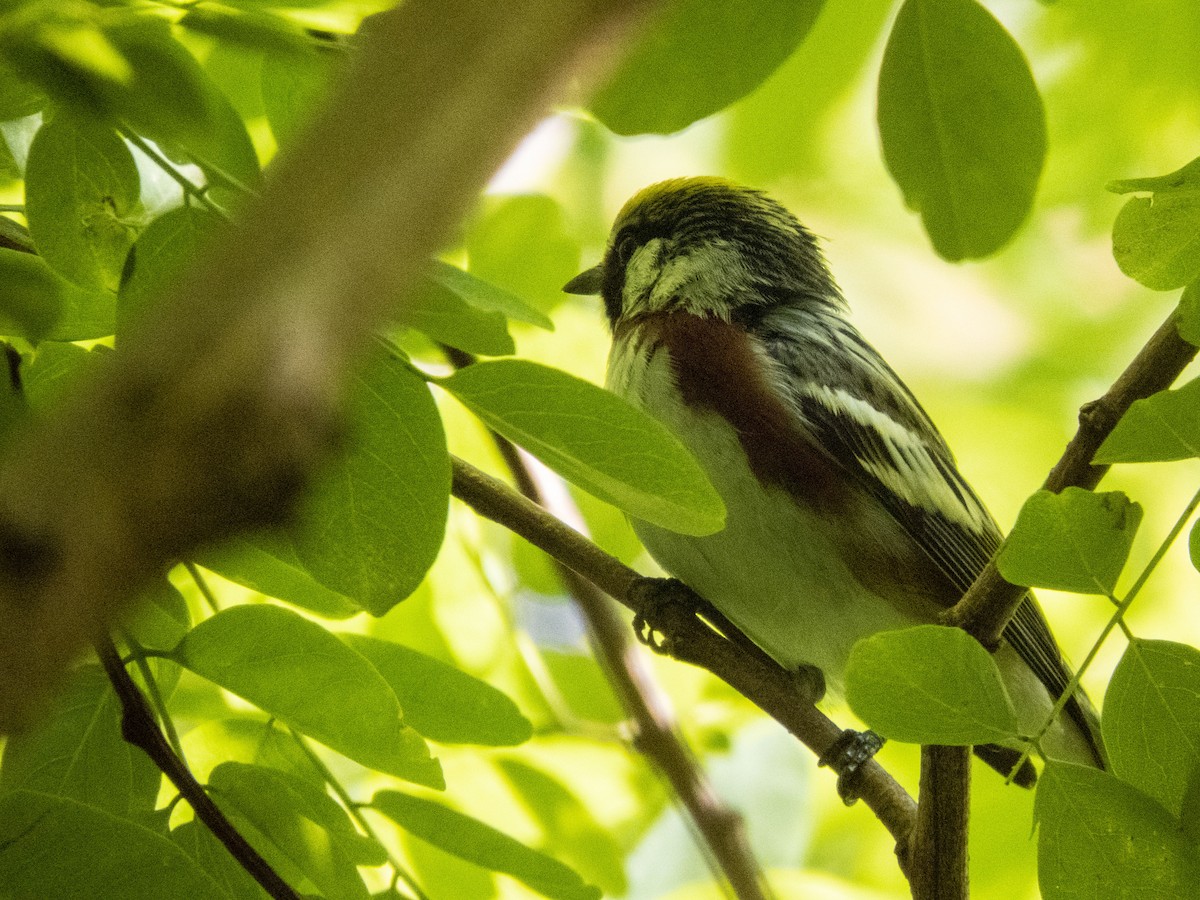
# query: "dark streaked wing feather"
{"type": "Point", "coordinates": [872, 425]}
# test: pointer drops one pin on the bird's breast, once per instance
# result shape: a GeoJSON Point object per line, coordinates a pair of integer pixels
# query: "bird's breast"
{"type": "Point", "coordinates": [788, 568]}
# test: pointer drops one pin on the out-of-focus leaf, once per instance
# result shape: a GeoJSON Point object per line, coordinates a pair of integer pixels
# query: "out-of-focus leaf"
{"type": "Point", "coordinates": [484, 295]}
{"type": "Point", "coordinates": [160, 255]}
{"type": "Point", "coordinates": [32, 296]}
{"type": "Point", "coordinates": [260, 31]}
{"type": "Point", "coordinates": [297, 826]}
{"type": "Point", "coordinates": [1156, 239]}
{"type": "Point", "coordinates": [519, 245]}
{"type": "Point", "coordinates": [173, 101]}
{"type": "Point", "coordinates": [81, 187]}
{"type": "Point", "coordinates": [483, 845]}
{"type": "Point", "coordinates": [698, 57]}
{"type": "Point", "coordinates": [442, 315]}
{"type": "Point", "coordinates": [76, 751]}
{"type": "Point", "coordinates": [268, 564]}
{"type": "Point", "coordinates": [160, 618]}
{"type": "Point", "coordinates": [929, 685]}
{"type": "Point", "coordinates": [18, 98]}
{"type": "Point", "coordinates": [1159, 428]}
{"type": "Point", "coordinates": [1152, 719]}
{"type": "Point", "coordinates": [53, 371]}
{"type": "Point", "coordinates": [297, 671]}
{"type": "Point", "coordinates": [1074, 541]}
{"type": "Point", "coordinates": [1099, 837]}
{"type": "Point", "coordinates": [59, 847]}
{"type": "Point", "coordinates": [963, 129]}
{"type": "Point", "coordinates": [374, 524]}
{"type": "Point", "coordinates": [441, 702]}
{"type": "Point", "coordinates": [292, 85]}
{"type": "Point", "coordinates": [587, 845]}
{"type": "Point", "coordinates": [593, 438]}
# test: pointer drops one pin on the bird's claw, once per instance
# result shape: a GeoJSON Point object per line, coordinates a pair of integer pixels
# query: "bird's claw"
{"type": "Point", "coordinates": [846, 756]}
{"type": "Point", "coordinates": [651, 596]}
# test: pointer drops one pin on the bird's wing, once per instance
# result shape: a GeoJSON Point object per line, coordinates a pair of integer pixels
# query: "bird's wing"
{"type": "Point", "coordinates": [862, 416]}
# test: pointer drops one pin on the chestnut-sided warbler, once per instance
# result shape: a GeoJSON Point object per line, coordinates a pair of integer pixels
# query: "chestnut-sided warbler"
{"type": "Point", "coordinates": [846, 513]}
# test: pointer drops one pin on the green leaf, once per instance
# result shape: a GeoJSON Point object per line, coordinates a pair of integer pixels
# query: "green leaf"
{"type": "Point", "coordinates": [256, 31]}
{"type": "Point", "coordinates": [297, 671]}
{"type": "Point", "coordinates": [442, 315]}
{"type": "Point", "coordinates": [441, 702]}
{"type": "Point", "coordinates": [58, 847]}
{"type": "Point", "coordinates": [1194, 545]}
{"type": "Point", "coordinates": [1188, 322]}
{"type": "Point", "coordinates": [173, 101]}
{"type": "Point", "coordinates": [484, 295]}
{"type": "Point", "coordinates": [268, 564]}
{"type": "Point", "coordinates": [1156, 239]}
{"type": "Point", "coordinates": [698, 57]}
{"type": "Point", "coordinates": [195, 839]}
{"type": "Point", "coordinates": [292, 86]}
{"type": "Point", "coordinates": [297, 827]}
{"type": "Point", "coordinates": [81, 187]}
{"type": "Point", "coordinates": [14, 408]}
{"type": "Point", "coordinates": [52, 373]}
{"type": "Point", "coordinates": [518, 247]}
{"type": "Point", "coordinates": [963, 130]}
{"type": "Point", "coordinates": [1152, 719]}
{"type": "Point", "coordinates": [593, 438]}
{"type": "Point", "coordinates": [483, 845]}
{"type": "Point", "coordinates": [1159, 428]}
{"type": "Point", "coordinates": [1098, 837]}
{"type": "Point", "coordinates": [588, 846]}
{"type": "Point", "coordinates": [1074, 541]}
{"type": "Point", "coordinates": [929, 685]}
{"type": "Point", "coordinates": [374, 524]}
{"type": "Point", "coordinates": [161, 254]}
{"type": "Point", "coordinates": [18, 98]}
{"type": "Point", "coordinates": [32, 297]}
{"type": "Point", "coordinates": [76, 751]}
{"type": "Point", "coordinates": [160, 618]}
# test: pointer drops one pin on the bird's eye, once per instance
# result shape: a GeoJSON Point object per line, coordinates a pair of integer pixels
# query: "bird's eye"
{"type": "Point", "coordinates": [625, 248]}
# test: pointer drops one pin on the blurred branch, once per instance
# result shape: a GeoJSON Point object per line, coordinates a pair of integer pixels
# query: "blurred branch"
{"type": "Point", "coordinates": [216, 410]}
{"type": "Point", "coordinates": [686, 636]}
{"type": "Point", "coordinates": [139, 729]}
{"type": "Point", "coordinates": [657, 736]}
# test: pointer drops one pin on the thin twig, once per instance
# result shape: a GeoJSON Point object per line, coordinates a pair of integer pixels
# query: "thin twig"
{"type": "Point", "coordinates": [769, 686]}
{"type": "Point", "coordinates": [139, 729]}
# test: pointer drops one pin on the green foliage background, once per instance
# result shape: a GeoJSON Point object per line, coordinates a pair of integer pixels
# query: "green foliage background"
{"type": "Point", "coordinates": [485, 656]}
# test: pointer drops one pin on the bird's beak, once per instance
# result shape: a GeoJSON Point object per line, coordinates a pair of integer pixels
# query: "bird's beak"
{"type": "Point", "coordinates": [586, 283]}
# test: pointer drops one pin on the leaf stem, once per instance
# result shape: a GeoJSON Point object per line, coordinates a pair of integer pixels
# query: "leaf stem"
{"type": "Point", "coordinates": [197, 192]}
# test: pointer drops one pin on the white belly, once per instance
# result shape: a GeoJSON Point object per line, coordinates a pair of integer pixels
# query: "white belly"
{"type": "Point", "coordinates": [772, 570]}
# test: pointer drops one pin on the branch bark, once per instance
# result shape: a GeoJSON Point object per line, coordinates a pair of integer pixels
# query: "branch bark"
{"type": "Point", "coordinates": [213, 414]}
{"type": "Point", "coordinates": [770, 687]}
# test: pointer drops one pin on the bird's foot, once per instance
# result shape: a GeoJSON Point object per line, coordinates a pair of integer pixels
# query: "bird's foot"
{"type": "Point", "coordinates": [652, 597]}
{"type": "Point", "coordinates": [846, 756]}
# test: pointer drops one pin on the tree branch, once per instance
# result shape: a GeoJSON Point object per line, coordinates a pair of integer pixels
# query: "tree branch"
{"type": "Point", "coordinates": [938, 852]}
{"type": "Point", "coordinates": [766, 684]}
{"type": "Point", "coordinates": [216, 410]}
{"type": "Point", "coordinates": [139, 728]}
{"type": "Point", "coordinates": [990, 602]}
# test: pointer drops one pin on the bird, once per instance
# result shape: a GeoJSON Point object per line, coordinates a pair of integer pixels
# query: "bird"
{"type": "Point", "coordinates": [846, 514]}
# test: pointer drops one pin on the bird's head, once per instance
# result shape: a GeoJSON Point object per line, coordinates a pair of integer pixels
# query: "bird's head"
{"type": "Point", "coordinates": [708, 247]}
